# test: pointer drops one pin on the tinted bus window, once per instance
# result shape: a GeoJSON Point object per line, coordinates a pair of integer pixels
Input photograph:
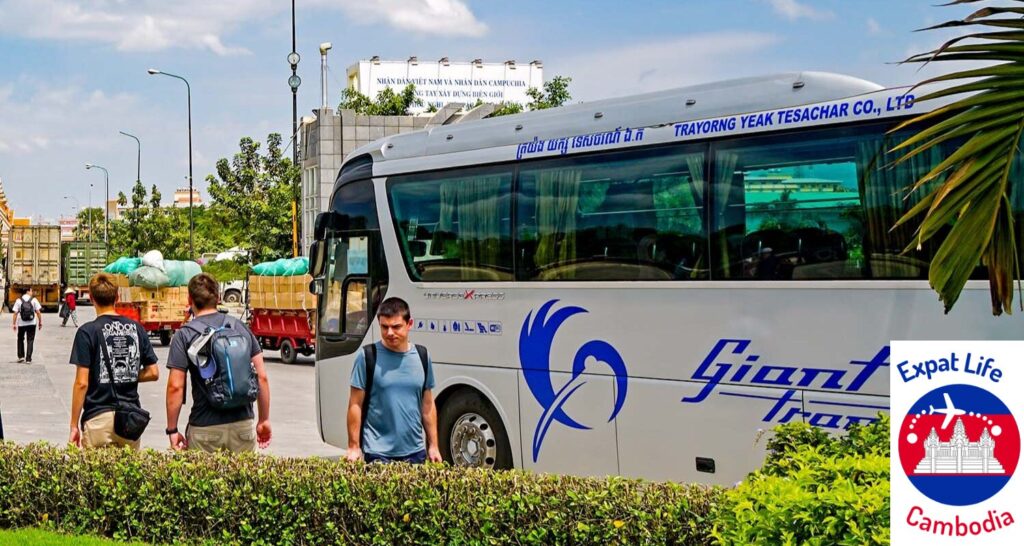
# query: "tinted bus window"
{"type": "Point", "coordinates": [614, 217]}
{"type": "Point", "coordinates": [816, 205]}
{"type": "Point", "coordinates": [455, 228]}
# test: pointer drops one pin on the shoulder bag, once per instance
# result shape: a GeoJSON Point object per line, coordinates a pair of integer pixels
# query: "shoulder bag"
{"type": "Point", "coordinates": [130, 421]}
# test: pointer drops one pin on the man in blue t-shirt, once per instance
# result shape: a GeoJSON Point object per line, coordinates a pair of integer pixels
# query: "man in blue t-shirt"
{"type": "Point", "coordinates": [401, 420]}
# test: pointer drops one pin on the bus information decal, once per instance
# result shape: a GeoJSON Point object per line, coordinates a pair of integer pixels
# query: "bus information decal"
{"type": "Point", "coordinates": [853, 109]}
{"type": "Point", "coordinates": [448, 326]}
{"type": "Point", "coordinates": [719, 371]}
{"type": "Point", "coordinates": [535, 342]}
{"type": "Point", "coordinates": [464, 295]}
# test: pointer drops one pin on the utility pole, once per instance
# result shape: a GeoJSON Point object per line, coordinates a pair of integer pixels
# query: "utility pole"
{"type": "Point", "coordinates": [294, 81]}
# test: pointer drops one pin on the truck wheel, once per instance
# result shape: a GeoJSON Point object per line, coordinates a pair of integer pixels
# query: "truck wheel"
{"type": "Point", "coordinates": [232, 296]}
{"type": "Point", "coordinates": [287, 351]}
{"type": "Point", "coordinates": [472, 434]}
{"type": "Point", "coordinates": [165, 337]}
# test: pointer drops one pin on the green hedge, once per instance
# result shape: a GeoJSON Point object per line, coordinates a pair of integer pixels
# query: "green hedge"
{"type": "Point", "coordinates": [195, 497]}
{"type": "Point", "coordinates": [813, 489]}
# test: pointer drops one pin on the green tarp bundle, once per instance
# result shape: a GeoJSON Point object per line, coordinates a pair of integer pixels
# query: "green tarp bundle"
{"type": "Point", "coordinates": [285, 267]}
{"type": "Point", "coordinates": [123, 266]}
{"type": "Point", "coordinates": [174, 272]}
{"type": "Point", "coordinates": [148, 277]}
{"type": "Point", "coordinates": [180, 272]}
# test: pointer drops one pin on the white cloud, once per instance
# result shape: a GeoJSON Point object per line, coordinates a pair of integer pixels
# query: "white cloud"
{"type": "Point", "coordinates": [442, 17]}
{"type": "Point", "coordinates": [664, 64]}
{"type": "Point", "coordinates": [793, 10]}
{"type": "Point", "coordinates": [154, 25]}
{"type": "Point", "coordinates": [873, 26]}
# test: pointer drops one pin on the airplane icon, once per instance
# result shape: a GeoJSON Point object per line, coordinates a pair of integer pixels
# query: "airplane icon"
{"type": "Point", "coordinates": [949, 411]}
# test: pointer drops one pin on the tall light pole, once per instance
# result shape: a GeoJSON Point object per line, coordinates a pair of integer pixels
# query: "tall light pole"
{"type": "Point", "coordinates": [191, 195]}
{"type": "Point", "coordinates": [138, 158]}
{"type": "Point", "coordinates": [77, 208]}
{"type": "Point", "coordinates": [294, 81]}
{"type": "Point", "coordinates": [106, 204]}
{"type": "Point", "coordinates": [90, 212]}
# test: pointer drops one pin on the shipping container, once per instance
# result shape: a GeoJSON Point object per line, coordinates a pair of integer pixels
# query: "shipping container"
{"type": "Point", "coordinates": [82, 260]}
{"type": "Point", "coordinates": [34, 260]}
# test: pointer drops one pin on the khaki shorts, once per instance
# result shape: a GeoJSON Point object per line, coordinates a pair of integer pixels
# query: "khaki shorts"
{"type": "Point", "coordinates": [236, 437]}
{"type": "Point", "coordinates": [99, 432]}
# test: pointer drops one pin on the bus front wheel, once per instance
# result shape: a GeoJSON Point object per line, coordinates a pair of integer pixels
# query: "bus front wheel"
{"type": "Point", "coordinates": [472, 434]}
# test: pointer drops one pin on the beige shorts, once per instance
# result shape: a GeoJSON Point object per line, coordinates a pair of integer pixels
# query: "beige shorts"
{"type": "Point", "coordinates": [236, 437]}
{"type": "Point", "coordinates": [99, 432]}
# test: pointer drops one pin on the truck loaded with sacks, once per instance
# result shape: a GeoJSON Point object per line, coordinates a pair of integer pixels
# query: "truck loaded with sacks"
{"type": "Point", "coordinates": [281, 311]}
{"type": "Point", "coordinates": [154, 291]}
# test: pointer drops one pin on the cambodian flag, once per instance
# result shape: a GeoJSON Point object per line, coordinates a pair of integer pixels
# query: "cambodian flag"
{"type": "Point", "coordinates": [959, 445]}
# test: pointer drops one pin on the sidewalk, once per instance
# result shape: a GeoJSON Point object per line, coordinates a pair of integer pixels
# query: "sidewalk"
{"type": "Point", "coordinates": [35, 399]}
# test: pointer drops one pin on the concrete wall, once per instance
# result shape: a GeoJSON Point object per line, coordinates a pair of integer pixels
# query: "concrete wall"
{"type": "Point", "coordinates": [327, 142]}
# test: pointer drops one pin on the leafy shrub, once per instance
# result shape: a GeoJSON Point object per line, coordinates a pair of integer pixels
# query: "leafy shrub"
{"type": "Point", "coordinates": [252, 499]}
{"type": "Point", "coordinates": [813, 489]}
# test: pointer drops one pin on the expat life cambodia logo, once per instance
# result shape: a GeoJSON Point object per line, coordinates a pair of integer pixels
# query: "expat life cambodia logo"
{"type": "Point", "coordinates": [955, 442]}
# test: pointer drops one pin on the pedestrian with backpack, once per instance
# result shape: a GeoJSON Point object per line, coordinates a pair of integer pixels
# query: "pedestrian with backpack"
{"type": "Point", "coordinates": [225, 364]}
{"type": "Point", "coordinates": [28, 318]}
{"type": "Point", "coordinates": [391, 413]}
{"type": "Point", "coordinates": [112, 355]}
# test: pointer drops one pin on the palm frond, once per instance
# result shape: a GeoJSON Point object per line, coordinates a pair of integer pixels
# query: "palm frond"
{"type": "Point", "coordinates": [971, 202]}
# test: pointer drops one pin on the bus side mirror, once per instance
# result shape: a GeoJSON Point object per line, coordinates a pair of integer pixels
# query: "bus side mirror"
{"type": "Point", "coordinates": [323, 221]}
{"type": "Point", "coordinates": [316, 286]}
{"type": "Point", "coordinates": [317, 259]}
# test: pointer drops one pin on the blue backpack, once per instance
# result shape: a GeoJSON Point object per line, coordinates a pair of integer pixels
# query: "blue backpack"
{"type": "Point", "coordinates": [223, 356]}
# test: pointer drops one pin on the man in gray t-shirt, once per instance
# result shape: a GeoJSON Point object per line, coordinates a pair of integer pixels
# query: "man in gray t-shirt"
{"type": "Point", "coordinates": [401, 421]}
{"type": "Point", "coordinates": [210, 428]}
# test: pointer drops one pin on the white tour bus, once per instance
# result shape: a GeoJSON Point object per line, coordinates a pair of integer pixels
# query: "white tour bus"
{"type": "Point", "coordinates": [641, 286]}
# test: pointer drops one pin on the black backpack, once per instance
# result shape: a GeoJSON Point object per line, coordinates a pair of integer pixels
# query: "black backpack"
{"type": "Point", "coordinates": [28, 310]}
{"type": "Point", "coordinates": [370, 356]}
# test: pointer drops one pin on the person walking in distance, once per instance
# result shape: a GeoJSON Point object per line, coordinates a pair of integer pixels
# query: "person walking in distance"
{"type": "Point", "coordinates": [113, 355]}
{"type": "Point", "coordinates": [71, 306]}
{"type": "Point", "coordinates": [28, 318]}
{"type": "Point", "coordinates": [225, 363]}
{"type": "Point", "coordinates": [391, 413]}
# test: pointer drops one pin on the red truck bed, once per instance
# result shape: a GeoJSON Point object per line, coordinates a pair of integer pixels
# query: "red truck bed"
{"type": "Point", "coordinates": [288, 331]}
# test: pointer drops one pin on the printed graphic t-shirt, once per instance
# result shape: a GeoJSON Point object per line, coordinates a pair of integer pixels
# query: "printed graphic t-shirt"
{"type": "Point", "coordinates": [203, 413]}
{"type": "Point", "coordinates": [130, 350]}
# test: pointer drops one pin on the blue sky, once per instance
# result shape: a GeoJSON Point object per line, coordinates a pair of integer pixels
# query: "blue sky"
{"type": "Point", "coordinates": [73, 72]}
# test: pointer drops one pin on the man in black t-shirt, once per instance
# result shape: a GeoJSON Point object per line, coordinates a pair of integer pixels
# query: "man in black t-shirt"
{"type": "Point", "coordinates": [132, 360]}
{"type": "Point", "coordinates": [210, 428]}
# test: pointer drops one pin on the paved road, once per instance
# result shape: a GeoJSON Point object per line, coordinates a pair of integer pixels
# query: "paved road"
{"type": "Point", "coordinates": [35, 399]}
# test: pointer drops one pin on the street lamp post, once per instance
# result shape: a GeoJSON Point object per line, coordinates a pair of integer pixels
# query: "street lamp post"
{"type": "Point", "coordinates": [77, 208]}
{"type": "Point", "coordinates": [138, 157]}
{"type": "Point", "coordinates": [106, 204]}
{"type": "Point", "coordinates": [191, 198]}
{"type": "Point", "coordinates": [90, 212]}
{"type": "Point", "coordinates": [294, 81]}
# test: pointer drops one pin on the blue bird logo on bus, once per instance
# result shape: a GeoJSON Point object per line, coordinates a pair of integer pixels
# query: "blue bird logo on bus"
{"type": "Point", "coordinates": [535, 342]}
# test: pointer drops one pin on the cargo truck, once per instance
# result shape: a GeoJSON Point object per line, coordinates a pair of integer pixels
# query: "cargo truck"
{"type": "Point", "coordinates": [82, 260]}
{"type": "Point", "coordinates": [33, 260]}
{"type": "Point", "coordinates": [282, 314]}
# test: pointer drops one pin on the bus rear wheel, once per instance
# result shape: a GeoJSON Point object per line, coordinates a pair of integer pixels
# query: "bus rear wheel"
{"type": "Point", "coordinates": [472, 434]}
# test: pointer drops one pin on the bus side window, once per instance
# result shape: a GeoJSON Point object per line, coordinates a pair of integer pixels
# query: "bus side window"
{"type": "Point", "coordinates": [356, 307]}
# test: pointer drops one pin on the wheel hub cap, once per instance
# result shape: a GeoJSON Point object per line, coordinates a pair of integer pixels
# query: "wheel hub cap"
{"type": "Point", "coordinates": [473, 442]}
